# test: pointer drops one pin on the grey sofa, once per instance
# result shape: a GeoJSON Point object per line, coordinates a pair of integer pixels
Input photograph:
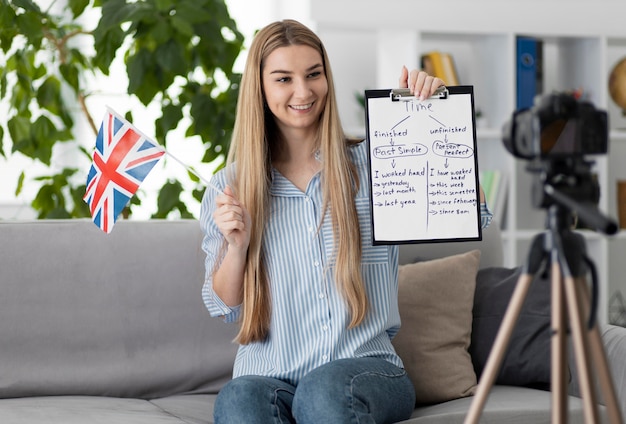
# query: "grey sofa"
{"type": "Point", "coordinates": [98, 328]}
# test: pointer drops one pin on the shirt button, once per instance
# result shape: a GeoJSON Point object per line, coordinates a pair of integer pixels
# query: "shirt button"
{"type": "Point", "coordinates": [310, 229]}
{"type": "Point", "coordinates": [325, 327]}
{"type": "Point", "coordinates": [322, 295]}
{"type": "Point", "coordinates": [316, 263]}
{"type": "Point", "coordinates": [325, 357]}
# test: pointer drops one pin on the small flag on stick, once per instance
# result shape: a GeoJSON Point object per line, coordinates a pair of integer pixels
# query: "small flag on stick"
{"type": "Point", "coordinates": [121, 161]}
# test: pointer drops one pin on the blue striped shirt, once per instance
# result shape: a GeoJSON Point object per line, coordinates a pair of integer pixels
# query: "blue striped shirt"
{"type": "Point", "coordinates": [309, 325]}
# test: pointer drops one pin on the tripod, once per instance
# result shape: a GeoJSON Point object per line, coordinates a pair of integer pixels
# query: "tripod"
{"type": "Point", "coordinates": [570, 297]}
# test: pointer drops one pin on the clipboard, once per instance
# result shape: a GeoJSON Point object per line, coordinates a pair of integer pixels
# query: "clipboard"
{"type": "Point", "coordinates": [423, 165]}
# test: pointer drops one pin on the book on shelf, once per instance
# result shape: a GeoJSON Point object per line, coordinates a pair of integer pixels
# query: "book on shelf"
{"type": "Point", "coordinates": [440, 65]}
{"type": "Point", "coordinates": [529, 66]}
{"type": "Point", "coordinates": [494, 184]}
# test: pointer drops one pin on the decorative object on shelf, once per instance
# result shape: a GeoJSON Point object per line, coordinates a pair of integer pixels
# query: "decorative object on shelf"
{"type": "Point", "coordinates": [617, 309]}
{"type": "Point", "coordinates": [440, 65]}
{"type": "Point", "coordinates": [494, 184]}
{"type": "Point", "coordinates": [617, 84]}
{"type": "Point", "coordinates": [621, 203]}
{"type": "Point", "coordinates": [529, 68]}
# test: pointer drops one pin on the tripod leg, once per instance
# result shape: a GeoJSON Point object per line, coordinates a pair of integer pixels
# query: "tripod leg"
{"type": "Point", "coordinates": [599, 358]}
{"type": "Point", "coordinates": [499, 348]}
{"type": "Point", "coordinates": [558, 350]}
{"type": "Point", "coordinates": [581, 350]}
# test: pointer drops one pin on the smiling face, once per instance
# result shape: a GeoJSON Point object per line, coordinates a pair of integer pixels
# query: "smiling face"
{"type": "Point", "coordinates": [295, 89]}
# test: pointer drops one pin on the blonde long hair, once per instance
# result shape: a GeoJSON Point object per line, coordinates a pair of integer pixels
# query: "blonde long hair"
{"type": "Point", "coordinates": [254, 138]}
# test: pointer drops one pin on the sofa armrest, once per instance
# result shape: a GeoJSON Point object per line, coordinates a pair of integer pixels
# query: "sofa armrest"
{"type": "Point", "coordinates": [614, 341]}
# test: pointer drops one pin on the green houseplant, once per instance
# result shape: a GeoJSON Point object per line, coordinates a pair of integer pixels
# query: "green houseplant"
{"type": "Point", "coordinates": [178, 55]}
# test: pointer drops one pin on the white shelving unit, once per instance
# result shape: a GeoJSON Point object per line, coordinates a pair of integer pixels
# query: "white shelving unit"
{"type": "Point", "coordinates": [368, 42]}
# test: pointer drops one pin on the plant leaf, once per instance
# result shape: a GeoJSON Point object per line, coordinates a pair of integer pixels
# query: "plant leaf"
{"type": "Point", "coordinates": [49, 95]}
{"type": "Point", "coordinates": [106, 44]}
{"type": "Point", "coordinates": [77, 6]}
{"type": "Point", "coordinates": [27, 5]}
{"type": "Point", "coordinates": [142, 76]}
{"type": "Point", "coordinates": [171, 57]}
{"type": "Point", "coordinates": [168, 198]}
{"type": "Point", "coordinates": [172, 114]}
{"type": "Point", "coordinates": [20, 184]}
{"type": "Point", "coordinates": [1, 143]}
{"type": "Point", "coordinates": [19, 130]}
{"type": "Point", "coordinates": [70, 74]}
{"type": "Point", "coordinates": [80, 209]}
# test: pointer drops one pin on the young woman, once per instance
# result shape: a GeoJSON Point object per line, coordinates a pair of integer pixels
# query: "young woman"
{"type": "Point", "coordinates": [289, 253]}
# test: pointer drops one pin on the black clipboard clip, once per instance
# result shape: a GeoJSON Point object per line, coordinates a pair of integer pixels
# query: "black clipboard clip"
{"type": "Point", "coordinates": [404, 94]}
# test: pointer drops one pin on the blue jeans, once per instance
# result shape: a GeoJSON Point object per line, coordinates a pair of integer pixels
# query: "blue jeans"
{"type": "Point", "coordinates": [359, 390]}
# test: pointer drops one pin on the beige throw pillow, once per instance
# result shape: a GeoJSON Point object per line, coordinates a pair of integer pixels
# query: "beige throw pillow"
{"type": "Point", "coordinates": [436, 299]}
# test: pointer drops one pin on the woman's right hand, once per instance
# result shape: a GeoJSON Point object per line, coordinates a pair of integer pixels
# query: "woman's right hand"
{"type": "Point", "coordinates": [233, 220]}
{"type": "Point", "coordinates": [419, 83]}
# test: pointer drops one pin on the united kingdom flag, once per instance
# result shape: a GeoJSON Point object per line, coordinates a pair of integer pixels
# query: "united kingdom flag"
{"type": "Point", "coordinates": [121, 161]}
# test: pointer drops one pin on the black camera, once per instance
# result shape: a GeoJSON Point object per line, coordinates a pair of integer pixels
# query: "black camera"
{"type": "Point", "coordinates": [557, 126]}
{"type": "Point", "coordinates": [555, 135]}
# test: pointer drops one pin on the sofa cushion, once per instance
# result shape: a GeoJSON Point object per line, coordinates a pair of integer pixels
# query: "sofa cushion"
{"type": "Point", "coordinates": [83, 409]}
{"type": "Point", "coordinates": [527, 359]}
{"type": "Point", "coordinates": [435, 300]}
{"type": "Point", "coordinates": [192, 409]}
{"type": "Point", "coordinates": [505, 404]}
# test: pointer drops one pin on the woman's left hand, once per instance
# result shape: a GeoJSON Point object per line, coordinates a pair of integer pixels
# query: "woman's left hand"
{"type": "Point", "coordinates": [419, 83]}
